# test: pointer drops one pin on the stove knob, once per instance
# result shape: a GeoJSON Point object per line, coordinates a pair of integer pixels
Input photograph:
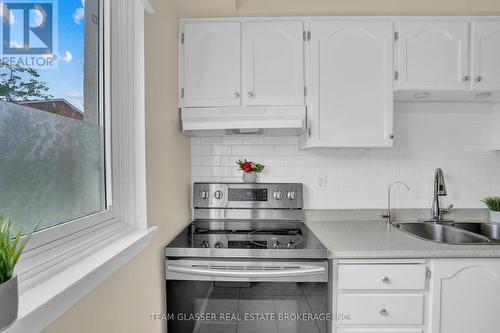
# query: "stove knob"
{"type": "Point", "coordinates": [218, 195]}
{"type": "Point", "coordinates": [276, 245]}
{"type": "Point", "coordinates": [291, 195]}
{"type": "Point", "coordinates": [218, 245]}
{"type": "Point", "coordinates": [204, 194]}
{"type": "Point", "coordinates": [290, 245]}
{"type": "Point", "coordinates": [205, 244]}
{"type": "Point", "coordinates": [278, 195]}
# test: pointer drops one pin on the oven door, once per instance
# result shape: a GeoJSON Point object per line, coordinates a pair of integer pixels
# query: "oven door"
{"type": "Point", "coordinates": [246, 296]}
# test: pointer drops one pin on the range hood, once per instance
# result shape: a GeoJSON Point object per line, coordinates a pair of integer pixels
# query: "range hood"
{"type": "Point", "coordinates": [269, 120]}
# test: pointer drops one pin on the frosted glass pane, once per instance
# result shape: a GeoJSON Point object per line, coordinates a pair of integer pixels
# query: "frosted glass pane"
{"type": "Point", "coordinates": [51, 166]}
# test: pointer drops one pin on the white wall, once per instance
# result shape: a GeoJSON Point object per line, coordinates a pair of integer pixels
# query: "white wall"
{"type": "Point", "coordinates": [123, 303]}
{"type": "Point", "coordinates": [455, 137]}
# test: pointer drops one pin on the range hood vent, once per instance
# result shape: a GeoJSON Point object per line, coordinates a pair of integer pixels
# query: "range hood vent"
{"type": "Point", "coordinates": [269, 121]}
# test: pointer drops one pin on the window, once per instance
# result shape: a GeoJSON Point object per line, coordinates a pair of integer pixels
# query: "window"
{"type": "Point", "coordinates": [60, 163]}
{"type": "Point", "coordinates": [54, 156]}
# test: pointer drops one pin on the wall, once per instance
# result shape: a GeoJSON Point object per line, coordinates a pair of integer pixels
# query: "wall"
{"type": "Point", "coordinates": [204, 8]}
{"type": "Point", "coordinates": [124, 301]}
{"type": "Point", "coordinates": [455, 137]}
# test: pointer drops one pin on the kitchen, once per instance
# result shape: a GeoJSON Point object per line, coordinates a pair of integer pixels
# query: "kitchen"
{"type": "Point", "coordinates": [373, 128]}
{"type": "Point", "coordinates": [365, 104]}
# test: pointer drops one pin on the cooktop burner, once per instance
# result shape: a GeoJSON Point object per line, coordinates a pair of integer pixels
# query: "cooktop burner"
{"type": "Point", "coordinates": [255, 239]}
{"type": "Point", "coordinates": [247, 221]}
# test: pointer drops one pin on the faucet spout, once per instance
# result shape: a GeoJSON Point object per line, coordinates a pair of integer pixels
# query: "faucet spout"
{"type": "Point", "coordinates": [388, 215]}
{"type": "Point", "coordinates": [439, 191]}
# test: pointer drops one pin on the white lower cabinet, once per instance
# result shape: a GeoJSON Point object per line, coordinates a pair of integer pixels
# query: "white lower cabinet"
{"type": "Point", "coordinates": [382, 309]}
{"type": "Point", "coordinates": [378, 296]}
{"type": "Point", "coordinates": [382, 276]}
{"type": "Point", "coordinates": [417, 296]}
{"type": "Point", "coordinates": [465, 296]}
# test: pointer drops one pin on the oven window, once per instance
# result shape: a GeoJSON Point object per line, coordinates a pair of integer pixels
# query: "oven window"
{"type": "Point", "coordinates": [230, 307]}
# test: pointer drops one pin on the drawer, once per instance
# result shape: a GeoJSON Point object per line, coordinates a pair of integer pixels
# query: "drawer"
{"type": "Point", "coordinates": [383, 277]}
{"type": "Point", "coordinates": [392, 309]}
{"type": "Point", "coordinates": [380, 330]}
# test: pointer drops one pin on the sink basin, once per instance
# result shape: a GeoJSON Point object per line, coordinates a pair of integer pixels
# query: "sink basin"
{"type": "Point", "coordinates": [442, 233]}
{"type": "Point", "coordinates": [490, 230]}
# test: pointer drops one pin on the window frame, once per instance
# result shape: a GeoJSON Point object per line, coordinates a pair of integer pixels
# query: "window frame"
{"type": "Point", "coordinates": [49, 235]}
{"type": "Point", "coordinates": [56, 275]}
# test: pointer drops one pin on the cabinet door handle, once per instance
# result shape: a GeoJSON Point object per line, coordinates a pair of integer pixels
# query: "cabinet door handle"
{"type": "Point", "coordinates": [466, 78]}
{"type": "Point", "coordinates": [251, 94]}
{"type": "Point", "coordinates": [385, 279]}
{"type": "Point", "coordinates": [479, 78]}
{"type": "Point", "coordinates": [384, 312]}
{"type": "Point", "coordinates": [236, 95]}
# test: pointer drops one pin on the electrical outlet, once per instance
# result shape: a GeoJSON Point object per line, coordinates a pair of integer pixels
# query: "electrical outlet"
{"type": "Point", "coordinates": [321, 182]}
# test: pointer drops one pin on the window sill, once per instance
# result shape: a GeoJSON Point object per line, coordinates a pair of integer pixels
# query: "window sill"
{"type": "Point", "coordinates": [41, 304]}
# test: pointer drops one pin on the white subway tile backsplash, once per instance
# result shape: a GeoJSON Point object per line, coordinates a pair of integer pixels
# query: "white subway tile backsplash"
{"type": "Point", "coordinates": [212, 160]}
{"type": "Point", "coordinates": [264, 149]}
{"type": "Point", "coordinates": [232, 140]}
{"type": "Point", "coordinates": [454, 136]}
{"type": "Point", "coordinates": [241, 150]}
{"type": "Point", "coordinates": [211, 140]}
{"type": "Point", "coordinates": [253, 140]}
{"type": "Point", "coordinates": [221, 172]}
{"type": "Point", "coordinates": [221, 150]}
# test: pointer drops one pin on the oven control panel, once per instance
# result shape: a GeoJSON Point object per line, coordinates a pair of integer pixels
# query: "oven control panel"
{"type": "Point", "coordinates": [250, 194]}
{"type": "Point", "coordinates": [236, 195]}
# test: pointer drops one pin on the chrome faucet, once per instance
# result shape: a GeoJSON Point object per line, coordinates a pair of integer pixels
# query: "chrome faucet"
{"type": "Point", "coordinates": [388, 215]}
{"type": "Point", "coordinates": [439, 191]}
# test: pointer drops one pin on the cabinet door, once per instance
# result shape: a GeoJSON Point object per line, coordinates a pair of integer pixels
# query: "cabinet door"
{"type": "Point", "coordinates": [211, 64]}
{"type": "Point", "coordinates": [433, 55]}
{"type": "Point", "coordinates": [274, 63]}
{"type": "Point", "coordinates": [351, 74]}
{"type": "Point", "coordinates": [486, 55]}
{"type": "Point", "coordinates": [464, 296]}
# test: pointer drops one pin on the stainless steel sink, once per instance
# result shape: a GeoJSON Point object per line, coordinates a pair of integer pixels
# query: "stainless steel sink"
{"type": "Point", "coordinates": [490, 230]}
{"type": "Point", "coordinates": [442, 233]}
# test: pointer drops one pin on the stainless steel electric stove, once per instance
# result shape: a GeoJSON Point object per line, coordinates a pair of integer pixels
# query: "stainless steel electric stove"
{"type": "Point", "coordinates": [247, 245]}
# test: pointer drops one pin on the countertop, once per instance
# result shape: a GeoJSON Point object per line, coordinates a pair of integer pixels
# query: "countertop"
{"type": "Point", "coordinates": [374, 239]}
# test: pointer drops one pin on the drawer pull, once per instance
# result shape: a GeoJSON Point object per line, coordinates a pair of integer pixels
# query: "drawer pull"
{"type": "Point", "coordinates": [385, 279]}
{"type": "Point", "coordinates": [384, 312]}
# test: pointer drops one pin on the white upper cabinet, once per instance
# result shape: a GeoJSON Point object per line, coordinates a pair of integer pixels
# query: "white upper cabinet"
{"type": "Point", "coordinates": [211, 58]}
{"type": "Point", "coordinates": [433, 55]}
{"type": "Point", "coordinates": [273, 55]}
{"type": "Point", "coordinates": [485, 55]}
{"type": "Point", "coordinates": [351, 83]}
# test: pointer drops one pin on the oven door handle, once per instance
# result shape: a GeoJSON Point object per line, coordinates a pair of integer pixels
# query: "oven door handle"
{"type": "Point", "coordinates": [302, 271]}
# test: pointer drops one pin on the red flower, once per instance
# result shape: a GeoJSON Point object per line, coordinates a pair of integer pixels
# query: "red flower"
{"type": "Point", "coordinates": [246, 166]}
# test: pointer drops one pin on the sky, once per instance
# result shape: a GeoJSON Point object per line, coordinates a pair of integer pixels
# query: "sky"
{"type": "Point", "coordinates": [67, 80]}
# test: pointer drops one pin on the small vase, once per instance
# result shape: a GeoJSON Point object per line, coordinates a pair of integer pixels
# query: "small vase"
{"type": "Point", "coordinates": [494, 216]}
{"type": "Point", "coordinates": [250, 177]}
{"type": "Point", "coordinates": [8, 302]}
